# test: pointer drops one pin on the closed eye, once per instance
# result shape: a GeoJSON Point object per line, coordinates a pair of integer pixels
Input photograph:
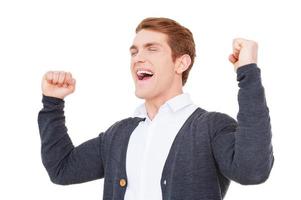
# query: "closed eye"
{"type": "Point", "coordinates": [152, 49]}
{"type": "Point", "coordinates": [133, 53]}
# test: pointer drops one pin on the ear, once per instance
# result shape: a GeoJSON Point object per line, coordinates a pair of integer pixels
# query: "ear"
{"type": "Point", "coordinates": [182, 63]}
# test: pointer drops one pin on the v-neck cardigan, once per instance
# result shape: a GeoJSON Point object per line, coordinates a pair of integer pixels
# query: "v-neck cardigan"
{"type": "Point", "coordinates": [210, 149]}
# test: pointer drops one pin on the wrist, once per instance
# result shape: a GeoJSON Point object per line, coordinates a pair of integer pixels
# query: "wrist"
{"type": "Point", "coordinates": [53, 96]}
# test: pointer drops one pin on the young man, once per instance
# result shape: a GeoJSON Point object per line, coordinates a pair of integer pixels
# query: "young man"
{"type": "Point", "coordinates": [171, 149]}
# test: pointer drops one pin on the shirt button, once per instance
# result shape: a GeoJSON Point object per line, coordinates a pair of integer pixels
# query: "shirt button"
{"type": "Point", "coordinates": [122, 182]}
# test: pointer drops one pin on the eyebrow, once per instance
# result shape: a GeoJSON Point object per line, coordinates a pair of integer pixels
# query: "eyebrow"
{"type": "Point", "coordinates": [134, 47]}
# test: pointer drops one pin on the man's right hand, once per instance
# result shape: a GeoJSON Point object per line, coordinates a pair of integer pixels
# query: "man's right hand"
{"type": "Point", "coordinates": [58, 84]}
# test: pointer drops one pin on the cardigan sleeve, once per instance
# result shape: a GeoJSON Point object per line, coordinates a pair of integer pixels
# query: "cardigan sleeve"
{"type": "Point", "coordinates": [65, 163]}
{"type": "Point", "coordinates": [243, 149]}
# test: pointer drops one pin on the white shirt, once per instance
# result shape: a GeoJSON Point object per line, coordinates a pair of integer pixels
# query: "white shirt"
{"type": "Point", "coordinates": [149, 146]}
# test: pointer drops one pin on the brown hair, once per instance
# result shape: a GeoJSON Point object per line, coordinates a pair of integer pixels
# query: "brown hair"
{"type": "Point", "coordinates": [179, 38]}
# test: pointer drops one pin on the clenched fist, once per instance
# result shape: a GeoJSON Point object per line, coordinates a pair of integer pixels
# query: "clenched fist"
{"type": "Point", "coordinates": [58, 84]}
{"type": "Point", "coordinates": [244, 52]}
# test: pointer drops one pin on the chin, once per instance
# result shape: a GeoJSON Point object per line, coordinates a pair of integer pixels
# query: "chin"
{"type": "Point", "coordinates": [143, 95]}
{"type": "Point", "coordinates": [140, 95]}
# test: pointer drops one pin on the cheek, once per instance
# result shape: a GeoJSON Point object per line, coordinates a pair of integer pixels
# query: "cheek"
{"type": "Point", "coordinates": [165, 74]}
{"type": "Point", "coordinates": [167, 67]}
{"type": "Point", "coordinates": [131, 64]}
{"type": "Point", "coordinates": [132, 67]}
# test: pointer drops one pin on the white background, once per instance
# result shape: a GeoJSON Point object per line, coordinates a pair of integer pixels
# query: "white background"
{"type": "Point", "coordinates": [91, 39]}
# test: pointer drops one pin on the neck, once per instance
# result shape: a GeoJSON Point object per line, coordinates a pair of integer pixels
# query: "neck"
{"type": "Point", "coordinates": [153, 105]}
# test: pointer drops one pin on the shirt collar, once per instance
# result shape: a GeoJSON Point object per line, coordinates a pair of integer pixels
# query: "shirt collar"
{"type": "Point", "coordinates": [176, 103]}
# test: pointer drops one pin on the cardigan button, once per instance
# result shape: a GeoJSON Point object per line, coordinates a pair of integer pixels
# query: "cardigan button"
{"type": "Point", "coordinates": [122, 182]}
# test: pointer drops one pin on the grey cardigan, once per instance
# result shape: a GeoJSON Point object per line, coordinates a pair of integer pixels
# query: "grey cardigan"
{"type": "Point", "coordinates": [210, 149]}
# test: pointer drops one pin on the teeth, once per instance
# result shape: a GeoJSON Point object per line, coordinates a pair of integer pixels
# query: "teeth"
{"type": "Point", "coordinates": [140, 72]}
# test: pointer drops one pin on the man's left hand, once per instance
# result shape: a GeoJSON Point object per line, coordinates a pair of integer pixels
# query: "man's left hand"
{"type": "Point", "coordinates": [244, 52]}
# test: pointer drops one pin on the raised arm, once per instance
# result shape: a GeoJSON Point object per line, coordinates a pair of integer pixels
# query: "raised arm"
{"type": "Point", "coordinates": [243, 149]}
{"type": "Point", "coordinates": [65, 163]}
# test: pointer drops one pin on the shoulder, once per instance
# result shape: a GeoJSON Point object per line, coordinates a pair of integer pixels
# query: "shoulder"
{"type": "Point", "coordinates": [213, 121]}
{"type": "Point", "coordinates": [214, 117]}
{"type": "Point", "coordinates": [221, 123]}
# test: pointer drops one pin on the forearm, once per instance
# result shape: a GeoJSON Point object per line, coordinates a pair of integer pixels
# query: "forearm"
{"type": "Point", "coordinates": [66, 164]}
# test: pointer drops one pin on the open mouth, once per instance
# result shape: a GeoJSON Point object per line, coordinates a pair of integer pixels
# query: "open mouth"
{"type": "Point", "coordinates": [144, 75]}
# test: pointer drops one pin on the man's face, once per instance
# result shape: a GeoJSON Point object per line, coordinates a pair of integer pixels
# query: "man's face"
{"type": "Point", "coordinates": [152, 67]}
